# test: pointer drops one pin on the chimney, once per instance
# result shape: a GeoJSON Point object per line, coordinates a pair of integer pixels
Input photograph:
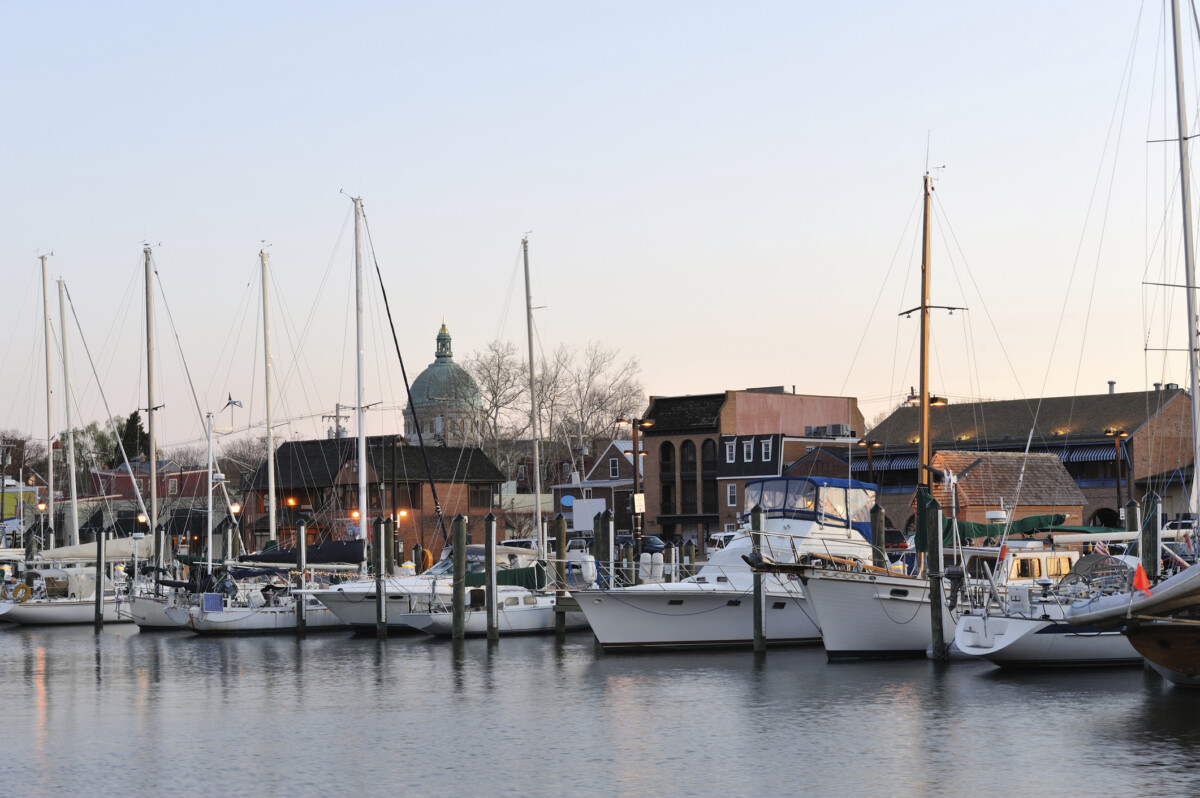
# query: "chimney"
{"type": "Point", "coordinates": [1112, 387]}
{"type": "Point", "coordinates": [1157, 387]}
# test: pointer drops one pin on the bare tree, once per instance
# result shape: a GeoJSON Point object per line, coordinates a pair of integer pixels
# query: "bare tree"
{"type": "Point", "coordinates": [598, 390]}
{"type": "Point", "coordinates": [241, 457]}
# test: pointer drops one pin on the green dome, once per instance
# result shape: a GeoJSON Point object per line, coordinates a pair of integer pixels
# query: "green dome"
{"type": "Point", "coordinates": [445, 384]}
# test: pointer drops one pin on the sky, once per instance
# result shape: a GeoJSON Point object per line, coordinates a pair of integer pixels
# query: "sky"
{"type": "Point", "coordinates": [727, 192]}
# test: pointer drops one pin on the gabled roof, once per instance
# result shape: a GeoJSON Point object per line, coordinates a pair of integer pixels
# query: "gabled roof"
{"type": "Point", "coordinates": [622, 448]}
{"type": "Point", "coordinates": [316, 463]}
{"type": "Point", "coordinates": [1060, 420]}
{"type": "Point", "coordinates": [680, 414]}
{"type": "Point", "coordinates": [986, 478]}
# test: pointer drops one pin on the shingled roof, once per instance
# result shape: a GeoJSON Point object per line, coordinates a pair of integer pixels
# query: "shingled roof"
{"type": "Point", "coordinates": [986, 478]}
{"type": "Point", "coordinates": [315, 463]}
{"type": "Point", "coordinates": [1059, 420]}
{"type": "Point", "coordinates": [674, 415]}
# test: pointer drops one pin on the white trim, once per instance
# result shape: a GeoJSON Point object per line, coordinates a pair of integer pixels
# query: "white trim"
{"type": "Point", "coordinates": [766, 450]}
{"type": "Point", "coordinates": [730, 451]}
{"type": "Point", "coordinates": [731, 495]}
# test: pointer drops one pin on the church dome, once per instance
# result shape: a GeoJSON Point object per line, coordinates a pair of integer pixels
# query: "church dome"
{"type": "Point", "coordinates": [445, 385]}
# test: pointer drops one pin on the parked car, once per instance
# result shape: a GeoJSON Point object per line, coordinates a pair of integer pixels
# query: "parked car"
{"type": "Point", "coordinates": [650, 543]}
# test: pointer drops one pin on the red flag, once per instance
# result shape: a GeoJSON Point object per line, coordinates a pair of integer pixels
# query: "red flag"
{"type": "Point", "coordinates": [1141, 581]}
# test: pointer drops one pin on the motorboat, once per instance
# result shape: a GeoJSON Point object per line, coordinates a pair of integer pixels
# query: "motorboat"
{"type": "Point", "coordinates": [802, 517]}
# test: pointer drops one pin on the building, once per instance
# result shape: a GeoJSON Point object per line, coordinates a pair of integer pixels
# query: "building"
{"type": "Point", "coordinates": [446, 400]}
{"type": "Point", "coordinates": [317, 481]}
{"type": "Point", "coordinates": [1113, 445]}
{"type": "Point", "coordinates": [609, 480]}
{"type": "Point", "coordinates": [1010, 482]}
{"type": "Point", "coordinates": [175, 481]}
{"type": "Point", "coordinates": [701, 450]}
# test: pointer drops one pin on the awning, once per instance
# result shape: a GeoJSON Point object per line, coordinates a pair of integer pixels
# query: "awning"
{"type": "Point", "coordinates": [1092, 453]}
{"type": "Point", "coordinates": [886, 462]}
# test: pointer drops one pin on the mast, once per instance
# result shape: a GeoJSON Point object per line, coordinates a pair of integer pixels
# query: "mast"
{"type": "Point", "coordinates": [48, 518]}
{"type": "Point", "coordinates": [358, 336]}
{"type": "Point", "coordinates": [209, 497]}
{"type": "Point", "coordinates": [153, 515]}
{"type": "Point", "coordinates": [533, 410]}
{"type": "Point", "coordinates": [73, 519]}
{"type": "Point", "coordinates": [1185, 191]}
{"type": "Point", "coordinates": [923, 459]}
{"type": "Point", "coordinates": [262, 257]}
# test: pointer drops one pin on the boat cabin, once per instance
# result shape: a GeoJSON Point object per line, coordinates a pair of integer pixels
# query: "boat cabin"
{"type": "Point", "coordinates": [844, 503]}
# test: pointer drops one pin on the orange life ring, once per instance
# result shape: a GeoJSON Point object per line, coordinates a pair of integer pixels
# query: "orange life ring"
{"type": "Point", "coordinates": [21, 593]}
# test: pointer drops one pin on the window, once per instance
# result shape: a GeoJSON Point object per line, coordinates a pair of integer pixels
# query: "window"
{"type": "Point", "coordinates": [1058, 566]}
{"type": "Point", "coordinates": [766, 450]}
{"type": "Point", "coordinates": [587, 493]}
{"type": "Point", "coordinates": [730, 452]}
{"type": "Point", "coordinates": [521, 471]}
{"type": "Point", "coordinates": [731, 527]}
{"type": "Point", "coordinates": [1025, 569]}
{"type": "Point", "coordinates": [173, 487]}
{"type": "Point", "coordinates": [747, 451]}
{"type": "Point", "coordinates": [614, 469]}
{"type": "Point", "coordinates": [480, 496]}
{"type": "Point", "coordinates": [731, 495]}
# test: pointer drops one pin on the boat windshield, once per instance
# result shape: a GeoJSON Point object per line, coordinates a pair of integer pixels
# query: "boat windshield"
{"type": "Point", "coordinates": [1098, 569]}
{"type": "Point", "coordinates": [446, 567]}
{"type": "Point", "coordinates": [803, 496]}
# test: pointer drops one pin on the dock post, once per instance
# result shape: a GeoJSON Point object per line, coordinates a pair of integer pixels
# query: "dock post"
{"type": "Point", "coordinates": [607, 524]}
{"type": "Point", "coordinates": [669, 563]}
{"type": "Point", "coordinates": [878, 535]}
{"type": "Point", "coordinates": [935, 564]}
{"type": "Point", "coordinates": [689, 559]}
{"type": "Point", "coordinates": [489, 554]}
{"type": "Point", "coordinates": [560, 570]}
{"type": "Point", "coordinates": [1132, 517]}
{"type": "Point", "coordinates": [1148, 545]}
{"type": "Point", "coordinates": [302, 566]}
{"type": "Point", "coordinates": [380, 588]}
{"type": "Point", "coordinates": [100, 580]}
{"type": "Point", "coordinates": [756, 524]}
{"type": "Point", "coordinates": [389, 547]}
{"type": "Point", "coordinates": [459, 527]}
{"type": "Point", "coordinates": [598, 546]}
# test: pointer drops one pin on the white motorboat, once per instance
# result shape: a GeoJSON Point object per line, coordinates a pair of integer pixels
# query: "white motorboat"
{"type": "Point", "coordinates": [802, 516]}
{"type": "Point", "coordinates": [518, 611]}
{"type": "Point", "coordinates": [354, 602]}
{"type": "Point", "coordinates": [1034, 628]}
{"type": "Point", "coordinates": [60, 596]}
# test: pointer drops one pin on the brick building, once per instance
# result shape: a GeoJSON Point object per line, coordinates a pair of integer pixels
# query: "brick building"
{"type": "Point", "coordinates": [318, 480]}
{"type": "Point", "coordinates": [1009, 481]}
{"type": "Point", "coordinates": [701, 450]}
{"type": "Point", "coordinates": [1113, 446]}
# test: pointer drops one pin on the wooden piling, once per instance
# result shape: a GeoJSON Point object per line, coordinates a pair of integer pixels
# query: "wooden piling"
{"type": "Point", "coordinates": [100, 543]}
{"type": "Point", "coordinates": [935, 563]}
{"type": "Point", "coordinates": [380, 558]}
{"type": "Point", "coordinates": [459, 530]}
{"type": "Point", "coordinates": [301, 566]}
{"type": "Point", "coordinates": [1148, 545]}
{"type": "Point", "coordinates": [489, 553]}
{"type": "Point", "coordinates": [756, 525]}
{"type": "Point", "coordinates": [878, 535]}
{"type": "Point", "coordinates": [560, 570]}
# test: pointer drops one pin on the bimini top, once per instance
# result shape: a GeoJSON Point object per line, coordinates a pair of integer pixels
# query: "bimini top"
{"type": "Point", "coordinates": [828, 501]}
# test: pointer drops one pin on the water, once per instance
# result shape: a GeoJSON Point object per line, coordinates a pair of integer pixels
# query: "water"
{"type": "Point", "coordinates": [145, 714]}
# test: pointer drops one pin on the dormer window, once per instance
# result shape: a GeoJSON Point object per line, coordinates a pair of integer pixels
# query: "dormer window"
{"type": "Point", "coordinates": [730, 452]}
{"type": "Point", "coordinates": [747, 451]}
{"type": "Point", "coordinates": [766, 450]}
{"type": "Point", "coordinates": [613, 468]}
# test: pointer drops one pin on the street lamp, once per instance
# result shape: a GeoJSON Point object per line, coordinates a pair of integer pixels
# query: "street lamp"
{"type": "Point", "coordinates": [1117, 435]}
{"type": "Point", "coordinates": [638, 498]}
{"type": "Point", "coordinates": [869, 445]}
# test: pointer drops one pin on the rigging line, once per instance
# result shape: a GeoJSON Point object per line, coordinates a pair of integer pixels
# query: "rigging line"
{"type": "Point", "coordinates": [407, 387]}
{"type": "Point", "coordinates": [508, 297]}
{"type": "Point", "coordinates": [178, 343]}
{"type": "Point", "coordinates": [878, 297]}
{"type": "Point", "coordinates": [136, 490]}
{"type": "Point", "coordinates": [899, 319]}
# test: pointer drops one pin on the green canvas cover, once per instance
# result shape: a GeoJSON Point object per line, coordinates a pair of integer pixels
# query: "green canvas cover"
{"type": "Point", "coordinates": [968, 530]}
{"type": "Point", "coordinates": [532, 578]}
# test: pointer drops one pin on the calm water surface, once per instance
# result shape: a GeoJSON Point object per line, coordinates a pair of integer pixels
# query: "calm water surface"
{"type": "Point", "coordinates": [168, 713]}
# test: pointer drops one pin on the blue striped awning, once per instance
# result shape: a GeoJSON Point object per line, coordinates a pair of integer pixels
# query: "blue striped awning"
{"type": "Point", "coordinates": [887, 462]}
{"type": "Point", "coordinates": [1091, 453]}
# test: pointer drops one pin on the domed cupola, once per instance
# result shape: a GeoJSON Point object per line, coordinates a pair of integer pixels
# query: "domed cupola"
{"type": "Point", "coordinates": [446, 399]}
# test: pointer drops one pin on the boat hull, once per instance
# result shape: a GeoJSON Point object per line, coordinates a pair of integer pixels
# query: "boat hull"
{"type": "Point", "coordinates": [688, 615]}
{"type": "Point", "coordinates": [538, 618]}
{"type": "Point", "coordinates": [1017, 642]}
{"type": "Point", "coordinates": [873, 616]}
{"type": "Point", "coordinates": [253, 620]}
{"type": "Point", "coordinates": [1171, 649]}
{"type": "Point", "coordinates": [356, 608]}
{"type": "Point", "coordinates": [59, 612]}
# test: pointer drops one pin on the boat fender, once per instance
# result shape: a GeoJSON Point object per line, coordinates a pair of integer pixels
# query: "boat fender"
{"type": "Point", "coordinates": [957, 579]}
{"type": "Point", "coordinates": [21, 593]}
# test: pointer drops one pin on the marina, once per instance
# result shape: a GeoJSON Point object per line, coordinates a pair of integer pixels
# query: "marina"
{"type": "Point", "coordinates": [342, 714]}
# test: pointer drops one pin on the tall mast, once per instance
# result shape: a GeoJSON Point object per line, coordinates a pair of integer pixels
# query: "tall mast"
{"type": "Point", "coordinates": [73, 518]}
{"type": "Point", "coordinates": [262, 257]}
{"type": "Point", "coordinates": [48, 518]}
{"type": "Point", "coordinates": [1185, 191]}
{"type": "Point", "coordinates": [358, 336]}
{"type": "Point", "coordinates": [533, 410]}
{"type": "Point", "coordinates": [153, 515]}
{"type": "Point", "coordinates": [923, 460]}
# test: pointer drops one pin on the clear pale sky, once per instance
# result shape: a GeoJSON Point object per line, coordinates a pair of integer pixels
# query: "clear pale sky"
{"type": "Point", "coordinates": [724, 190]}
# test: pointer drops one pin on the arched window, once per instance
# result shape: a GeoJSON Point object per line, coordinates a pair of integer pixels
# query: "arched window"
{"type": "Point", "coordinates": [687, 458]}
{"type": "Point", "coordinates": [708, 456]}
{"type": "Point", "coordinates": [666, 461]}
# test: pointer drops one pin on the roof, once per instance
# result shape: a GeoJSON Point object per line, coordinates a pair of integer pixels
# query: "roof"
{"type": "Point", "coordinates": [316, 463]}
{"type": "Point", "coordinates": [987, 478]}
{"type": "Point", "coordinates": [444, 383]}
{"type": "Point", "coordinates": [680, 414]}
{"type": "Point", "coordinates": [1060, 420]}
